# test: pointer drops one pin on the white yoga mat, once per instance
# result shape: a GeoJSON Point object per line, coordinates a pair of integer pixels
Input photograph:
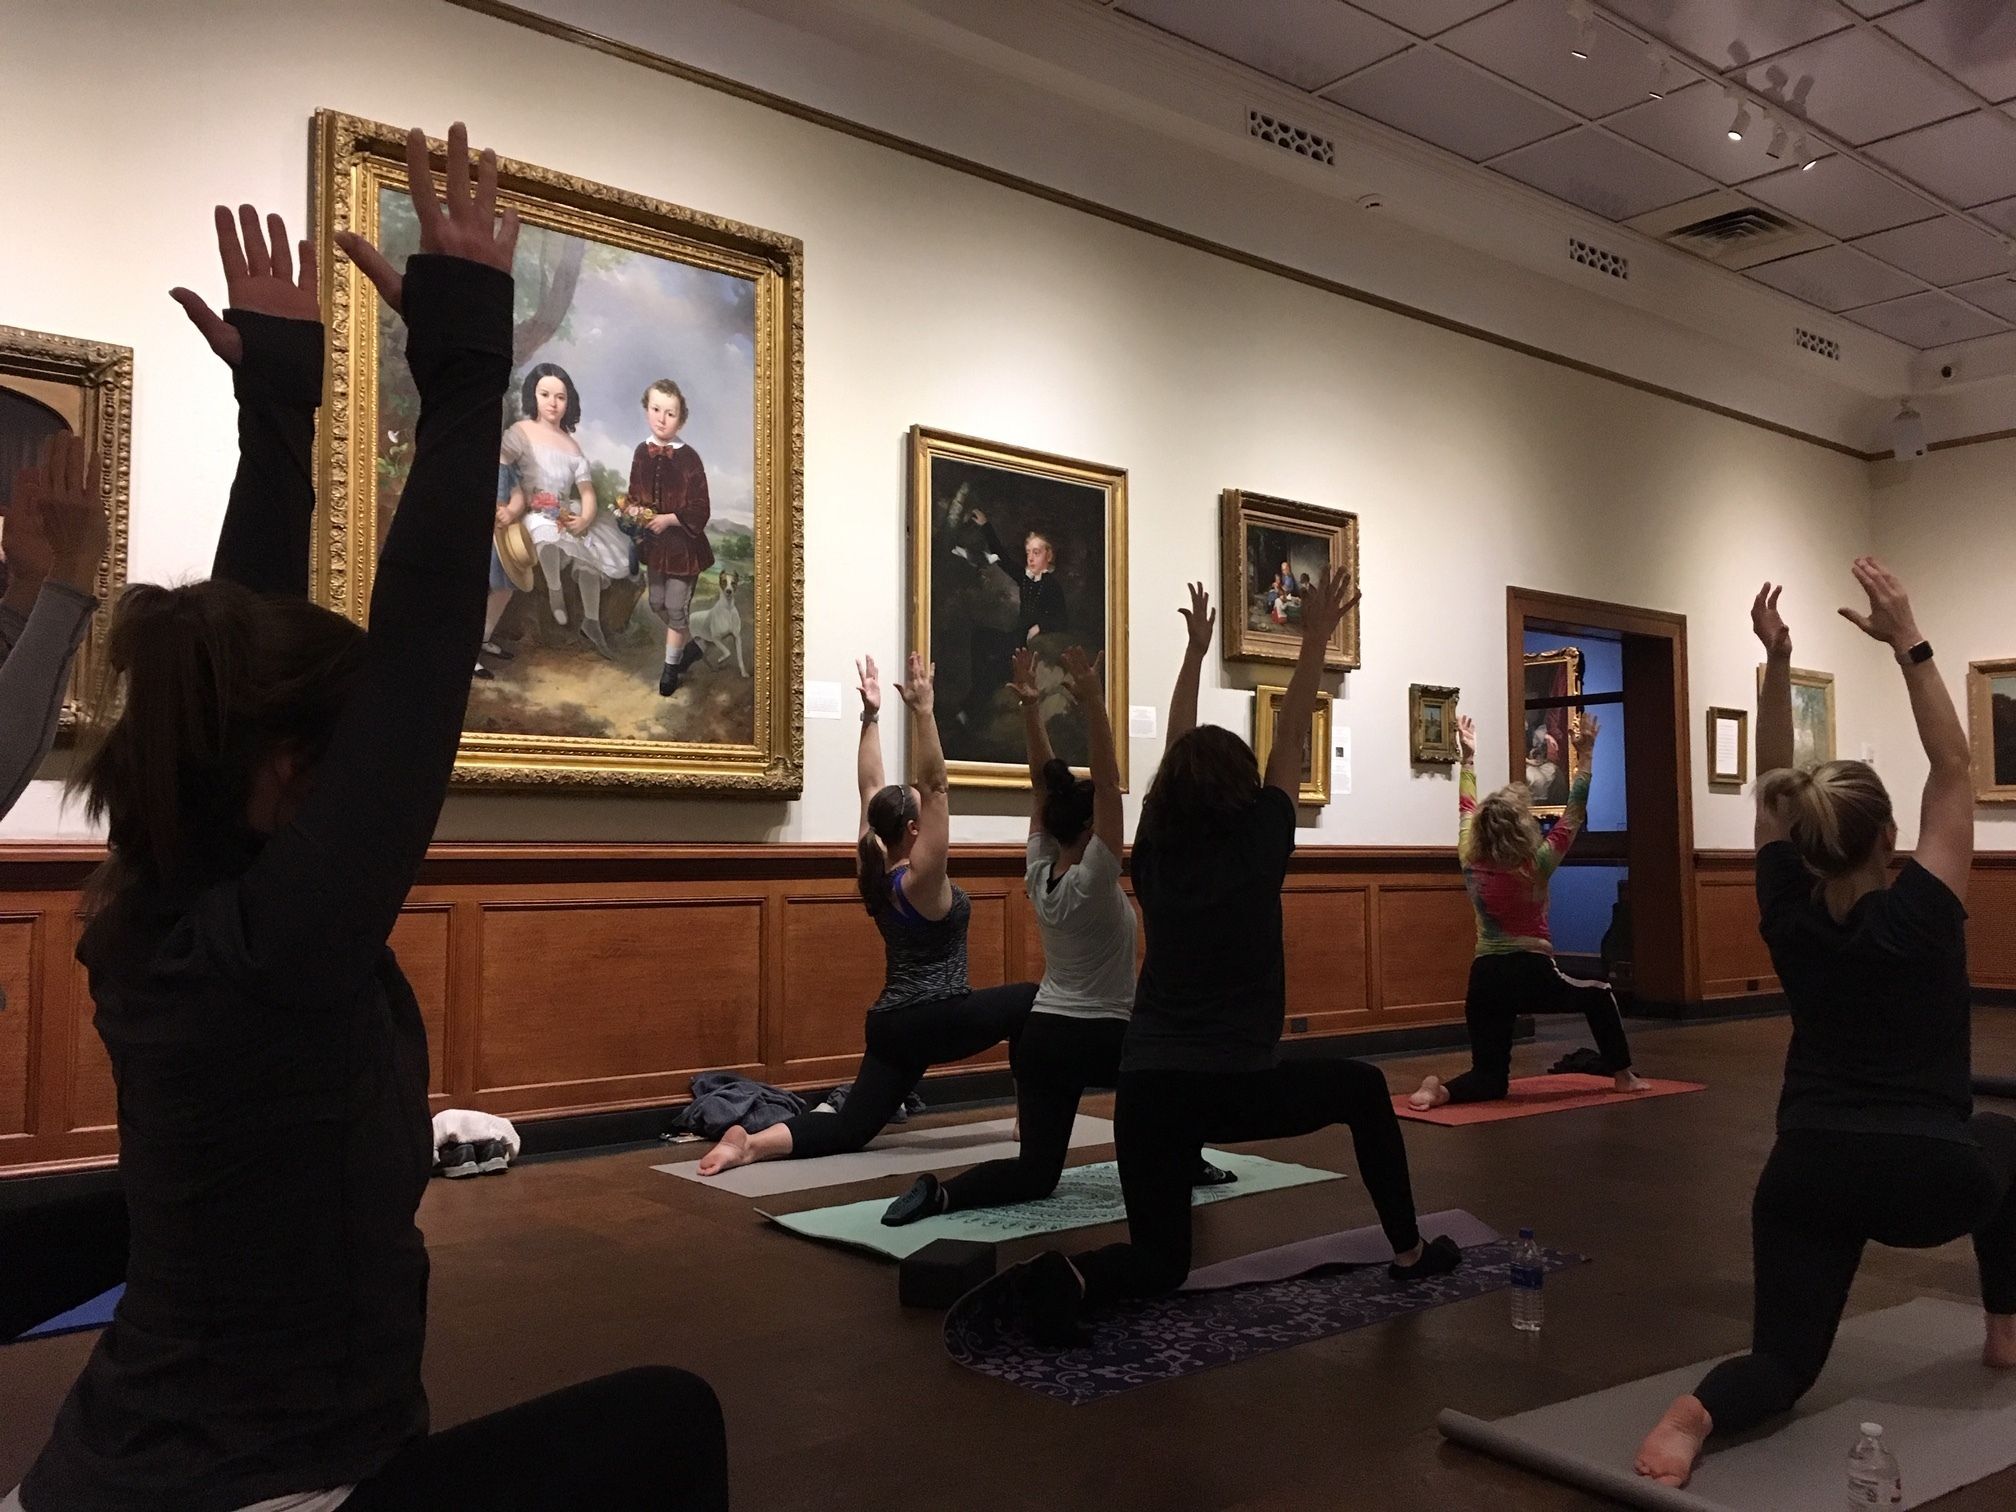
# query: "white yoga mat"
{"type": "Point", "coordinates": [1915, 1369]}
{"type": "Point", "coordinates": [939, 1149]}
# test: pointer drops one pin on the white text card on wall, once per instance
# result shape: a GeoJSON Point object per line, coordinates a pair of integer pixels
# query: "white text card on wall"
{"type": "Point", "coordinates": [1728, 744]}
{"type": "Point", "coordinates": [1340, 767]}
{"type": "Point", "coordinates": [822, 700]}
{"type": "Point", "coordinates": [1141, 721]}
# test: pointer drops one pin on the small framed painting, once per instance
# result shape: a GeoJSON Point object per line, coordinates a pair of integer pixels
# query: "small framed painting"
{"type": "Point", "coordinates": [1728, 747]}
{"type": "Point", "coordinates": [1275, 552]}
{"type": "Point", "coordinates": [1314, 789]}
{"type": "Point", "coordinates": [1552, 762]}
{"type": "Point", "coordinates": [1812, 716]}
{"type": "Point", "coordinates": [1991, 710]}
{"type": "Point", "coordinates": [1431, 717]}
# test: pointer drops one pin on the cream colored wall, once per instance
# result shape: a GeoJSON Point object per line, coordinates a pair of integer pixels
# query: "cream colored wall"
{"type": "Point", "coordinates": [1946, 524]}
{"type": "Point", "coordinates": [935, 298]}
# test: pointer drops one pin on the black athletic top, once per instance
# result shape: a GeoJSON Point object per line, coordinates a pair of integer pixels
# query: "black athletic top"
{"type": "Point", "coordinates": [1881, 1007]}
{"type": "Point", "coordinates": [270, 1059]}
{"type": "Point", "coordinates": [924, 960]}
{"type": "Point", "coordinates": [1213, 990]}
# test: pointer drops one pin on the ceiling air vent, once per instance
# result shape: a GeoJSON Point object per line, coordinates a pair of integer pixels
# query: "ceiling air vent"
{"type": "Point", "coordinates": [1819, 346]}
{"type": "Point", "coordinates": [1296, 139]}
{"type": "Point", "coordinates": [1725, 227]}
{"type": "Point", "coordinates": [1601, 259]}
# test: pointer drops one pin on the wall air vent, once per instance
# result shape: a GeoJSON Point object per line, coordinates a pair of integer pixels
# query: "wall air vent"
{"type": "Point", "coordinates": [1296, 139]}
{"type": "Point", "coordinates": [1601, 259]}
{"type": "Point", "coordinates": [1819, 346]}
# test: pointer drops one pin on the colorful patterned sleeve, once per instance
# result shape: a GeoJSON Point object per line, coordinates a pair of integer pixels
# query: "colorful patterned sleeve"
{"type": "Point", "coordinates": [1466, 809]}
{"type": "Point", "coordinates": [1555, 847]}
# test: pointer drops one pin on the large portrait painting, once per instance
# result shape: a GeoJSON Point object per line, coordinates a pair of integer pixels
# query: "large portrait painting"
{"type": "Point", "coordinates": [1552, 762]}
{"type": "Point", "coordinates": [644, 617]}
{"type": "Point", "coordinates": [1991, 710]}
{"type": "Point", "coordinates": [52, 385]}
{"type": "Point", "coordinates": [1011, 548]}
{"type": "Point", "coordinates": [1275, 551]}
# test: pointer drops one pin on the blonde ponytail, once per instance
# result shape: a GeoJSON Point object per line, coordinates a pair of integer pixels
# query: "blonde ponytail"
{"type": "Point", "coordinates": [1837, 813]}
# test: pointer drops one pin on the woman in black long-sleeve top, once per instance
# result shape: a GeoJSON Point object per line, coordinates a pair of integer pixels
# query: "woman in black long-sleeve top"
{"type": "Point", "coordinates": [270, 788]}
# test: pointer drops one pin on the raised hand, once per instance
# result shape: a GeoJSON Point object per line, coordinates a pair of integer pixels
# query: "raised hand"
{"type": "Point", "coordinates": [463, 223]}
{"type": "Point", "coordinates": [916, 687]}
{"type": "Point", "coordinates": [1769, 625]}
{"type": "Point", "coordinates": [1584, 734]}
{"type": "Point", "coordinates": [1326, 605]}
{"type": "Point", "coordinates": [1200, 617]}
{"type": "Point", "coordinates": [259, 275]}
{"type": "Point", "coordinates": [1022, 676]}
{"type": "Point", "coordinates": [1084, 677]}
{"type": "Point", "coordinates": [1466, 736]}
{"type": "Point", "coordinates": [56, 527]}
{"type": "Point", "coordinates": [1889, 618]}
{"type": "Point", "coordinates": [868, 683]}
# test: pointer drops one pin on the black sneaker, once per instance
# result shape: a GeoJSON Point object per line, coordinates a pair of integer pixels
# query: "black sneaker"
{"type": "Point", "coordinates": [925, 1199]}
{"type": "Point", "coordinates": [454, 1160]}
{"type": "Point", "coordinates": [492, 1156]}
{"type": "Point", "coordinates": [1209, 1175]}
{"type": "Point", "coordinates": [1051, 1297]}
{"type": "Point", "coordinates": [668, 681]}
{"type": "Point", "coordinates": [1439, 1256]}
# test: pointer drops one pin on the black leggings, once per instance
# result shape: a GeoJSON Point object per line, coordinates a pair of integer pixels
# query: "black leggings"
{"type": "Point", "coordinates": [1057, 1058]}
{"type": "Point", "coordinates": [1821, 1198]}
{"type": "Point", "coordinates": [644, 1440]}
{"type": "Point", "coordinates": [904, 1043]}
{"type": "Point", "coordinates": [1504, 986]}
{"type": "Point", "coordinates": [1163, 1119]}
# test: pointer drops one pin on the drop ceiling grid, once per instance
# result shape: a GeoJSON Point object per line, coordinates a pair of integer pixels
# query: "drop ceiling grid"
{"type": "Point", "coordinates": [1471, 36]}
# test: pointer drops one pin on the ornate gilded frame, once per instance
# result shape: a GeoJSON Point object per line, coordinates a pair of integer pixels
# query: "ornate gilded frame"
{"type": "Point", "coordinates": [1314, 793]}
{"type": "Point", "coordinates": [1237, 508]}
{"type": "Point", "coordinates": [1445, 751]}
{"type": "Point", "coordinates": [1981, 676]}
{"type": "Point", "coordinates": [353, 160]}
{"type": "Point", "coordinates": [1804, 678]}
{"type": "Point", "coordinates": [1571, 657]}
{"type": "Point", "coordinates": [926, 444]}
{"type": "Point", "coordinates": [102, 375]}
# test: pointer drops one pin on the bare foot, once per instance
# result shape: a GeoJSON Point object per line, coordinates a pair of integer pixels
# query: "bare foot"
{"type": "Point", "coordinates": [1432, 1095]}
{"type": "Point", "coordinates": [1630, 1081]}
{"type": "Point", "coordinates": [1669, 1451]}
{"type": "Point", "coordinates": [2000, 1348]}
{"type": "Point", "coordinates": [733, 1151]}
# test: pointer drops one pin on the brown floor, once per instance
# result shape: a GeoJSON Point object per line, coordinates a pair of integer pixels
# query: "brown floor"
{"type": "Point", "coordinates": [837, 1398]}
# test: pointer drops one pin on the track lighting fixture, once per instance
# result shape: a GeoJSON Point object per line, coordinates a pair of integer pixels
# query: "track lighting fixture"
{"type": "Point", "coordinates": [1663, 74]}
{"type": "Point", "coordinates": [1584, 17]}
{"type": "Point", "coordinates": [1777, 148]}
{"type": "Point", "coordinates": [1805, 154]}
{"type": "Point", "coordinates": [1741, 124]}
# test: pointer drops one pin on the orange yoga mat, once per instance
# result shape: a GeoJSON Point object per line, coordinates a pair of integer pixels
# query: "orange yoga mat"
{"type": "Point", "coordinates": [1542, 1094]}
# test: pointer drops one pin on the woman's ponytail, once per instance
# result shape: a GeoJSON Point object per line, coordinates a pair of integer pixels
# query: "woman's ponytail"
{"type": "Point", "coordinates": [890, 813]}
{"type": "Point", "coordinates": [1067, 802]}
{"type": "Point", "coordinates": [1837, 813]}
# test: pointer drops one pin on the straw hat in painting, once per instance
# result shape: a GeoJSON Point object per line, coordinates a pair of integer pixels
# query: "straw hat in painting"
{"type": "Point", "coordinates": [514, 552]}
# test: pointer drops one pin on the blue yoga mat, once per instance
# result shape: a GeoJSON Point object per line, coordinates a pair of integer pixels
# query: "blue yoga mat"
{"type": "Point", "coordinates": [93, 1314]}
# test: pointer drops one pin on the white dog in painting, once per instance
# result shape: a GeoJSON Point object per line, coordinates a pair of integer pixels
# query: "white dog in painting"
{"type": "Point", "coordinates": [721, 622]}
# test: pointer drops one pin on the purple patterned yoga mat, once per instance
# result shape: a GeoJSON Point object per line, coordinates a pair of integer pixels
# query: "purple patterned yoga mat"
{"type": "Point", "coordinates": [1138, 1343]}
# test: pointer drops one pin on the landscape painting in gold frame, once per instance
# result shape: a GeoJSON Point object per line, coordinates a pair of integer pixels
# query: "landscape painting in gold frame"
{"type": "Point", "coordinates": [1273, 552]}
{"type": "Point", "coordinates": [1431, 721]}
{"type": "Point", "coordinates": [1812, 715]}
{"type": "Point", "coordinates": [620, 298]}
{"type": "Point", "coordinates": [1314, 788]}
{"type": "Point", "coordinates": [1991, 717]}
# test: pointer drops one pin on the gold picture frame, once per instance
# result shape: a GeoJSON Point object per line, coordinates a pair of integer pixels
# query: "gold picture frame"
{"type": "Point", "coordinates": [971, 592]}
{"type": "Point", "coordinates": [1991, 721]}
{"type": "Point", "coordinates": [1314, 791]}
{"type": "Point", "coordinates": [1813, 733]}
{"type": "Point", "coordinates": [1431, 725]}
{"type": "Point", "coordinates": [1732, 774]}
{"type": "Point", "coordinates": [1260, 531]}
{"type": "Point", "coordinates": [1551, 759]}
{"type": "Point", "coordinates": [757, 749]}
{"type": "Point", "coordinates": [87, 388]}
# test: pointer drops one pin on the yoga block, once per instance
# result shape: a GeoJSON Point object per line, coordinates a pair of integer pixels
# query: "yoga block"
{"type": "Point", "coordinates": [942, 1272]}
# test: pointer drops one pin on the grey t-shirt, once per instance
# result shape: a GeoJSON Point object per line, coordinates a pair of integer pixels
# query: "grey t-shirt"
{"type": "Point", "coordinates": [1088, 932]}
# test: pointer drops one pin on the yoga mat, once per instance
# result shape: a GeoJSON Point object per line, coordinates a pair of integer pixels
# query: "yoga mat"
{"type": "Point", "coordinates": [96, 1313]}
{"type": "Point", "coordinates": [1137, 1343]}
{"type": "Point", "coordinates": [1915, 1369]}
{"type": "Point", "coordinates": [1365, 1246]}
{"type": "Point", "coordinates": [1543, 1094]}
{"type": "Point", "coordinates": [1086, 1195]}
{"type": "Point", "coordinates": [887, 1155]}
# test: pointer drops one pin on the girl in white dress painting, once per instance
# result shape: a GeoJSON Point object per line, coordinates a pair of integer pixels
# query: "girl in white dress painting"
{"type": "Point", "coordinates": [554, 492]}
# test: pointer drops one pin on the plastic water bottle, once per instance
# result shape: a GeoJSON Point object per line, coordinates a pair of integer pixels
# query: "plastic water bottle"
{"type": "Point", "coordinates": [1873, 1479]}
{"type": "Point", "coordinates": [1529, 1307]}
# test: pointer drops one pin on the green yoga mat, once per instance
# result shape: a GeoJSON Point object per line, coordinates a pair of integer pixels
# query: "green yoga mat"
{"type": "Point", "coordinates": [1086, 1196]}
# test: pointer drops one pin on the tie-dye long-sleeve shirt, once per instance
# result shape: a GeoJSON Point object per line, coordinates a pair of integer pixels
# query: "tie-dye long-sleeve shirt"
{"type": "Point", "coordinates": [1511, 902]}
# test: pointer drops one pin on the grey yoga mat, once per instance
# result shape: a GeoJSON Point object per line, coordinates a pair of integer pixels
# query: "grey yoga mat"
{"type": "Point", "coordinates": [1916, 1369]}
{"type": "Point", "coordinates": [1363, 1246]}
{"type": "Point", "coordinates": [889, 1155]}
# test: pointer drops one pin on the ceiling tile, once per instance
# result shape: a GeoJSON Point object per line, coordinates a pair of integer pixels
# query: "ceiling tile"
{"type": "Point", "coordinates": [1440, 99]}
{"type": "Point", "coordinates": [1307, 43]}
{"type": "Point", "coordinates": [1835, 278]}
{"type": "Point", "coordinates": [1996, 295]}
{"type": "Point", "coordinates": [1943, 251]}
{"type": "Point", "coordinates": [1974, 40]}
{"type": "Point", "coordinates": [1969, 161]}
{"type": "Point", "coordinates": [1693, 124]}
{"type": "Point", "coordinates": [1876, 7]}
{"type": "Point", "coordinates": [1528, 41]}
{"type": "Point", "coordinates": [1613, 178]}
{"type": "Point", "coordinates": [1730, 33]}
{"type": "Point", "coordinates": [1927, 320]}
{"type": "Point", "coordinates": [1857, 86]}
{"type": "Point", "coordinates": [2002, 213]}
{"type": "Point", "coordinates": [1840, 196]}
{"type": "Point", "coordinates": [1425, 18]}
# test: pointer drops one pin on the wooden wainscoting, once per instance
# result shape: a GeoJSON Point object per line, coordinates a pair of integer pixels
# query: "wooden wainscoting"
{"type": "Point", "coordinates": [558, 979]}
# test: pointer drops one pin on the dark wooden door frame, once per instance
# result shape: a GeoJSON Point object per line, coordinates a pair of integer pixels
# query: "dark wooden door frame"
{"type": "Point", "coordinates": [1659, 780]}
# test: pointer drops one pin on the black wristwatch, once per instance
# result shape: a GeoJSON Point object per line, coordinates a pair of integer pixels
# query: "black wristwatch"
{"type": "Point", "coordinates": [1911, 656]}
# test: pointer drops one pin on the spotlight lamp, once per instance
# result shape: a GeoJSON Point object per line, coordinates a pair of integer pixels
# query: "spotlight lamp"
{"type": "Point", "coordinates": [1777, 148]}
{"type": "Point", "coordinates": [1662, 74]}
{"type": "Point", "coordinates": [1805, 154]}
{"type": "Point", "coordinates": [1584, 17]}
{"type": "Point", "coordinates": [1741, 124]}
